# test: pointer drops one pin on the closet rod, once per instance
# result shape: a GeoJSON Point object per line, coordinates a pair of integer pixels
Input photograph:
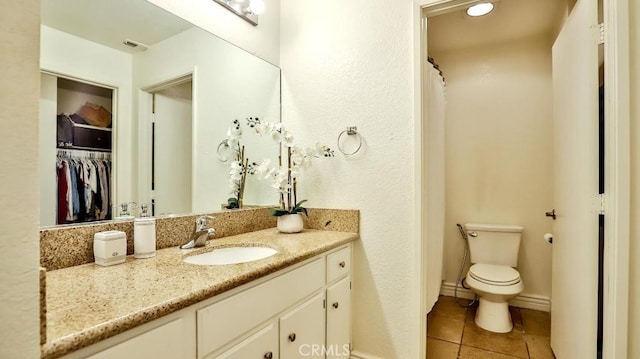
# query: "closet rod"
{"type": "Point", "coordinates": [98, 155]}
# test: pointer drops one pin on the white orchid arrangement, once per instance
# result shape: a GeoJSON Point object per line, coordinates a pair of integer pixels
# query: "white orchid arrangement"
{"type": "Point", "coordinates": [284, 176]}
{"type": "Point", "coordinates": [240, 166]}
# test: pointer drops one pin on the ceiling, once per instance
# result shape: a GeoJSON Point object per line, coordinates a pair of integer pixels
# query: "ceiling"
{"type": "Point", "coordinates": [510, 20]}
{"type": "Point", "coordinates": [110, 22]}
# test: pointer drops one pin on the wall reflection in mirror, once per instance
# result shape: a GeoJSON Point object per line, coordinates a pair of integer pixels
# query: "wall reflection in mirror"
{"type": "Point", "coordinates": [134, 102]}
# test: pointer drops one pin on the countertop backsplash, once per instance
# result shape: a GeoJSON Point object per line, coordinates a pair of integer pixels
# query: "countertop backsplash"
{"type": "Point", "coordinates": [69, 246]}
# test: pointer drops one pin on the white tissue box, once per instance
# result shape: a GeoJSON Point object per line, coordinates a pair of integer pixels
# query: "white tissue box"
{"type": "Point", "coordinates": [110, 247]}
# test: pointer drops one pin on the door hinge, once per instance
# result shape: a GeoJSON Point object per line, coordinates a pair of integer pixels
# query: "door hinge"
{"type": "Point", "coordinates": [597, 33]}
{"type": "Point", "coordinates": [324, 303]}
{"type": "Point", "coordinates": [598, 203]}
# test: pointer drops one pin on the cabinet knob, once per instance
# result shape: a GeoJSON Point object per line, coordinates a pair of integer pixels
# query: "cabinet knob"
{"type": "Point", "coordinates": [342, 264]}
{"type": "Point", "coordinates": [268, 355]}
{"type": "Point", "coordinates": [292, 337]}
{"type": "Point", "coordinates": [336, 305]}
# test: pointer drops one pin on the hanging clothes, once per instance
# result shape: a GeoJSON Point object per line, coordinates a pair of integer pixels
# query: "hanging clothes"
{"type": "Point", "coordinates": [83, 187]}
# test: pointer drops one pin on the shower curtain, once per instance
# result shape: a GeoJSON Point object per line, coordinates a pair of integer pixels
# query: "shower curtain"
{"type": "Point", "coordinates": [435, 173]}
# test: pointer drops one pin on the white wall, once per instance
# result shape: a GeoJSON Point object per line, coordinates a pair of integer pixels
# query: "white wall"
{"type": "Point", "coordinates": [228, 84]}
{"type": "Point", "coordinates": [103, 65]}
{"type": "Point", "coordinates": [19, 241]}
{"type": "Point", "coordinates": [262, 40]}
{"type": "Point", "coordinates": [499, 148]}
{"type": "Point", "coordinates": [634, 270]}
{"type": "Point", "coordinates": [349, 63]}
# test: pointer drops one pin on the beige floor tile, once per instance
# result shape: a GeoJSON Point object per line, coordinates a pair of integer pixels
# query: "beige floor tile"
{"type": "Point", "coordinates": [539, 347]}
{"type": "Point", "coordinates": [444, 328]}
{"type": "Point", "coordinates": [471, 313]}
{"type": "Point", "coordinates": [516, 318]}
{"type": "Point", "coordinates": [439, 349]}
{"type": "Point", "coordinates": [447, 306]}
{"type": "Point", "coordinates": [536, 322]}
{"type": "Point", "coordinates": [475, 353]}
{"type": "Point", "coordinates": [509, 343]}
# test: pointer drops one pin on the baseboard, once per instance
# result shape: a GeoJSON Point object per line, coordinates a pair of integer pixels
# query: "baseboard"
{"type": "Point", "coordinates": [528, 301]}
{"type": "Point", "coordinates": [360, 355]}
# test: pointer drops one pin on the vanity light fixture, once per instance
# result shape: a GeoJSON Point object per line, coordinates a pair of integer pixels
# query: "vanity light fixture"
{"type": "Point", "coordinates": [480, 9]}
{"type": "Point", "coordinates": [246, 9]}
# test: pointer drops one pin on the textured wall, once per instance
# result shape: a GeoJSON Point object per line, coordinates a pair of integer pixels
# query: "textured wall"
{"type": "Point", "coordinates": [634, 270]}
{"type": "Point", "coordinates": [498, 149]}
{"type": "Point", "coordinates": [348, 63]}
{"type": "Point", "coordinates": [262, 40]}
{"type": "Point", "coordinates": [19, 95]}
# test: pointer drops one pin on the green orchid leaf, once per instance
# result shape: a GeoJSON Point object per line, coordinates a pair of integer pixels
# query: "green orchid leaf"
{"type": "Point", "coordinates": [277, 212]}
{"type": "Point", "coordinates": [232, 203]}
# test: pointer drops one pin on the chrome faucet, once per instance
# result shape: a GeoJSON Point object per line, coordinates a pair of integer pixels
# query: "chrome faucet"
{"type": "Point", "coordinates": [200, 233]}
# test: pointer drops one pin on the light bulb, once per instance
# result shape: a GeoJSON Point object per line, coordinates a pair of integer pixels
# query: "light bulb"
{"type": "Point", "coordinates": [480, 9]}
{"type": "Point", "coordinates": [256, 6]}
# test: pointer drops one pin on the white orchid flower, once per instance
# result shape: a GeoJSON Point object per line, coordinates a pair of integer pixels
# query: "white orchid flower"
{"type": "Point", "coordinates": [287, 138]}
{"type": "Point", "coordinates": [234, 133]}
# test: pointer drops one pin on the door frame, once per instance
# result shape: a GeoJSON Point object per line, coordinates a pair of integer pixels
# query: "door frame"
{"type": "Point", "coordinates": [617, 178]}
{"type": "Point", "coordinates": [617, 172]}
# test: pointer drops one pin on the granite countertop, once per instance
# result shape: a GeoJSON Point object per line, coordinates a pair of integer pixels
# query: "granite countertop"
{"type": "Point", "coordinates": [89, 303]}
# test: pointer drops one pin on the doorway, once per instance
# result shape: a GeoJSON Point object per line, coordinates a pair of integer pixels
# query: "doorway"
{"type": "Point", "coordinates": [499, 131]}
{"type": "Point", "coordinates": [171, 147]}
{"type": "Point", "coordinates": [615, 264]}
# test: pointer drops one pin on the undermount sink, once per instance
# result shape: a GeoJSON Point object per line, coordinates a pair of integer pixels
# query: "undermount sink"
{"type": "Point", "coordinates": [231, 255]}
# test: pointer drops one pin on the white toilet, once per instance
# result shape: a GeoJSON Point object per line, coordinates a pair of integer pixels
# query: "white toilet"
{"type": "Point", "coordinates": [494, 254]}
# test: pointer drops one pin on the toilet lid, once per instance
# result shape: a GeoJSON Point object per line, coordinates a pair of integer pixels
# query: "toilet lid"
{"type": "Point", "coordinates": [494, 274]}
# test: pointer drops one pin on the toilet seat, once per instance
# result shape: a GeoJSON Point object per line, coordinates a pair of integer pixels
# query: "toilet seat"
{"type": "Point", "coordinates": [492, 274]}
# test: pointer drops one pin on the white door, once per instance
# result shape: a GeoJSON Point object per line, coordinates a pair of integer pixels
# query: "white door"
{"type": "Point", "coordinates": [172, 150]}
{"type": "Point", "coordinates": [575, 131]}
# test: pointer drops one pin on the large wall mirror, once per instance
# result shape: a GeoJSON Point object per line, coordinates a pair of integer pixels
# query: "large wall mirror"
{"type": "Point", "coordinates": [134, 104]}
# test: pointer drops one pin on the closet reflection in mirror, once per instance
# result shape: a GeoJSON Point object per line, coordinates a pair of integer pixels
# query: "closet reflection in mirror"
{"type": "Point", "coordinates": [164, 151]}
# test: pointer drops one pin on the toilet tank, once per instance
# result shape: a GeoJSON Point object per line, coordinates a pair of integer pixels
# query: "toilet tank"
{"type": "Point", "coordinates": [494, 243]}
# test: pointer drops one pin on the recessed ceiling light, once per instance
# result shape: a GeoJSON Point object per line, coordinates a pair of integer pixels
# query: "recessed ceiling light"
{"type": "Point", "coordinates": [480, 9]}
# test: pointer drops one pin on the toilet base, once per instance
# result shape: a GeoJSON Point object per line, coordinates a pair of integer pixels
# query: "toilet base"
{"type": "Point", "coordinates": [494, 316]}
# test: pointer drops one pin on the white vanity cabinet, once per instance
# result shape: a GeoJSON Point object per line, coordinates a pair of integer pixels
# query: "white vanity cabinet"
{"type": "Point", "coordinates": [303, 311]}
{"type": "Point", "coordinates": [309, 308]}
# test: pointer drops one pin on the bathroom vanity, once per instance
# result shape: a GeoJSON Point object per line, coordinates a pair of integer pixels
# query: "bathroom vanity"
{"type": "Point", "coordinates": [294, 303]}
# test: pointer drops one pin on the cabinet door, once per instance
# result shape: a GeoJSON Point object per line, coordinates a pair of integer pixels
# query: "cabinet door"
{"type": "Point", "coordinates": [302, 330]}
{"type": "Point", "coordinates": [339, 319]}
{"type": "Point", "coordinates": [165, 342]}
{"type": "Point", "coordinates": [261, 345]}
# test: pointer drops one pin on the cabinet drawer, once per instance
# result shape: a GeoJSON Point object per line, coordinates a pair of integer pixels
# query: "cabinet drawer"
{"type": "Point", "coordinates": [338, 264]}
{"type": "Point", "coordinates": [224, 321]}
{"type": "Point", "coordinates": [166, 341]}
{"type": "Point", "coordinates": [261, 345]}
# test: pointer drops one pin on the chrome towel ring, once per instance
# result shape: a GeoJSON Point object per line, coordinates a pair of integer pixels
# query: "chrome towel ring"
{"type": "Point", "coordinates": [350, 131]}
{"type": "Point", "coordinates": [223, 151]}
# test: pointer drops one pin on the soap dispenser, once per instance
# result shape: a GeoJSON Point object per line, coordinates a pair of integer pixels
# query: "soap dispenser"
{"type": "Point", "coordinates": [144, 234]}
{"type": "Point", "coordinates": [124, 212]}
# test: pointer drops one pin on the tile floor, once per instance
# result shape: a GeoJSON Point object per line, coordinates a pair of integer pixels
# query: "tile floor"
{"type": "Point", "coordinates": [453, 334]}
